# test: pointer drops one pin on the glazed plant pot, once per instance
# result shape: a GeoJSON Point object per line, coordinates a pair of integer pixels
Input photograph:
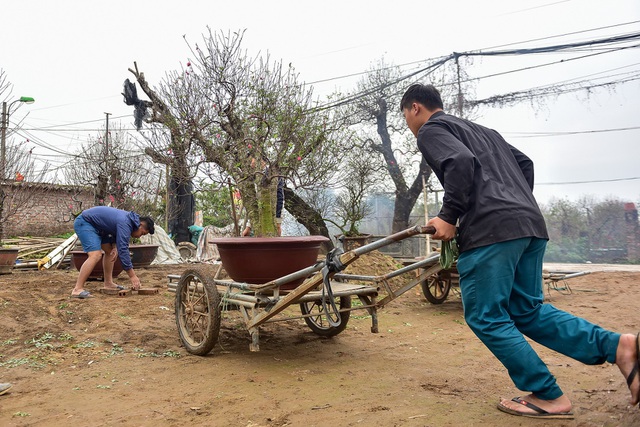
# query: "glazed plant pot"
{"type": "Point", "coordinates": [8, 258]}
{"type": "Point", "coordinates": [352, 242]}
{"type": "Point", "coordinates": [79, 257]}
{"type": "Point", "coordinates": [258, 260]}
{"type": "Point", "coordinates": [141, 256]}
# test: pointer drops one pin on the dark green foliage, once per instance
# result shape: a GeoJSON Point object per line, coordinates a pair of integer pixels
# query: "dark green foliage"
{"type": "Point", "coordinates": [586, 230]}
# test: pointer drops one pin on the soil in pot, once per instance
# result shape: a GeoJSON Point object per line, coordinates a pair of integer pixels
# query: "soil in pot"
{"type": "Point", "coordinates": [352, 242]}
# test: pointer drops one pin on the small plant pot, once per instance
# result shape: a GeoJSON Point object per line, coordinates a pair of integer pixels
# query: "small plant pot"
{"type": "Point", "coordinates": [352, 242]}
{"type": "Point", "coordinates": [8, 258]}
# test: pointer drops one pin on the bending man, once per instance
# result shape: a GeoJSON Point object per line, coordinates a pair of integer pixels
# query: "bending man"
{"type": "Point", "coordinates": [107, 229]}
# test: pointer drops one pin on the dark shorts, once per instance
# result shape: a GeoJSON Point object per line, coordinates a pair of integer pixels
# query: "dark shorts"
{"type": "Point", "coordinates": [88, 235]}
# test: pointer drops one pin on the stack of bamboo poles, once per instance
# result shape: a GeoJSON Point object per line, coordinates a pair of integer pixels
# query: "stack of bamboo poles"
{"type": "Point", "coordinates": [31, 249]}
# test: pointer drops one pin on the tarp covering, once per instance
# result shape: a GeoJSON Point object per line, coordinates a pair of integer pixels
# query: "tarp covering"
{"type": "Point", "coordinates": [207, 251]}
{"type": "Point", "coordinates": [167, 251]}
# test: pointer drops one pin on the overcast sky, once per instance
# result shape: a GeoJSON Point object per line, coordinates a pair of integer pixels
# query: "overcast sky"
{"type": "Point", "coordinates": [72, 56]}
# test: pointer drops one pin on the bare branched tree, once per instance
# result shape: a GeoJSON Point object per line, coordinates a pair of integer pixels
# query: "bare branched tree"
{"type": "Point", "coordinates": [360, 177]}
{"type": "Point", "coordinates": [378, 104]}
{"type": "Point", "coordinates": [397, 150]}
{"type": "Point", "coordinates": [121, 177]}
{"type": "Point", "coordinates": [21, 169]}
{"type": "Point", "coordinates": [16, 194]}
{"type": "Point", "coordinates": [257, 124]}
{"type": "Point", "coordinates": [170, 140]}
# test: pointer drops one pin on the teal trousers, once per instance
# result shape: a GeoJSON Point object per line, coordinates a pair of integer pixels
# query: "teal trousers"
{"type": "Point", "coordinates": [502, 295]}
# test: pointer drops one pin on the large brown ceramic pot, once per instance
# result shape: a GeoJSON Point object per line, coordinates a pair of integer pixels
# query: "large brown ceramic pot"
{"type": "Point", "coordinates": [79, 257]}
{"type": "Point", "coordinates": [141, 256]}
{"type": "Point", "coordinates": [258, 260]}
{"type": "Point", "coordinates": [8, 258]}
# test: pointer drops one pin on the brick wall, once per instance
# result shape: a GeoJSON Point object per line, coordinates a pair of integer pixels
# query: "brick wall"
{"type": "Point", "coordinates": [35, 209]}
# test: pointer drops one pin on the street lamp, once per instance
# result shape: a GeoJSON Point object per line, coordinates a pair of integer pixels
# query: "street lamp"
{"type": "Point", "coordinates": [6, 112]}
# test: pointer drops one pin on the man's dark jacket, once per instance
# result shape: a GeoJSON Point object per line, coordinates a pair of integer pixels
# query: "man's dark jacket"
{"type": "Point", "coordinates": [488, 184]}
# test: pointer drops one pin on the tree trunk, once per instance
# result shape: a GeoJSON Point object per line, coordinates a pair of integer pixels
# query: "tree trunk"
{"type": "Point", "coordinates": [402, 212]}
{"type": "Point", "coordinates": [3, 196]}
{"type": "Point", "coordinates": [307, 216]}
{"type": "Point", "coordinates": [181, 209]}
{"type": "Point", "coordinates": [100, 193]}
{"type": "Point", "coordinates": [266, 209]}
{"type": "Point", "coordinates": [406, 197]}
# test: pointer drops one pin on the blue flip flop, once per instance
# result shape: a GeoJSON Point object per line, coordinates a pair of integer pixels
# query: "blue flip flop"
{"type": "Point", "coordinates": [83, 295]}
{"type": "Point", "coordinates": [538, 412]}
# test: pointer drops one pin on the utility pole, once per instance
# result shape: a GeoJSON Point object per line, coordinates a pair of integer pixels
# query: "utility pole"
{"type": "Point", "coordinates": [106, 145]}
{"type": "Point", "coordinates": [426, 214]}
{"type": "Point", "coordinates": [3, 124]}
{"type": "Point", "coordinates": [460, 95]}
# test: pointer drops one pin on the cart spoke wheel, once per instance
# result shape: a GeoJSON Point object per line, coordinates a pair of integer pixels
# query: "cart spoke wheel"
{"type": "Point", "coordinates": [436, 287]}
{"type": "Point", "coordinates": [318, 321]}
{"type": "Point", "coordinates": [198, 311]}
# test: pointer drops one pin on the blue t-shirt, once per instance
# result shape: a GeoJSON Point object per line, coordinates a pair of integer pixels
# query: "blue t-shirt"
{"type": "Point", "coordinates": [116, 223]}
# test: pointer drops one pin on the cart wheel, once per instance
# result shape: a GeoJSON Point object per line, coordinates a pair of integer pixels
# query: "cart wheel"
{"type": "Point", "coordinates": [436, 287]}
{"type": "Point", "coordinates": [197, 311]}
{"type": "Point", "coordinates": [319, 323]}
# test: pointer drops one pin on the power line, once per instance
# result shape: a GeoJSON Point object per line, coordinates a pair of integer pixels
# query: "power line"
{"type": "Point", "coordinates": [482, 49]}
{"type": "Point", "coordinates": [555, 48]}
{"type": "Point", "coordinates": [554, 89]}
{"type": "Point", "coordinates": [539, 134]}
{"type": "Point", "coordinates": [37, 141]}
{"type": "Point", "coordinates": [74, 129]}
{"type": "Point", "coordinates": [564, 35]}
{"type": "Point", "coordinates": [75, 103]}
{"type": "Point", "coordinates": [535, 7]}
{"type": "Point", "coordinates": [561, 61]}
{"type": "Point", "coordinates": [78, 123]}
{"type": "Point", "coordinates": [544, 49]}
{"type": "Point", "coordinates": [589, 182]}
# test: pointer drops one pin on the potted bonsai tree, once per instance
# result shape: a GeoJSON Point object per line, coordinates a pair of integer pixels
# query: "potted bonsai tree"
{"type": "Point", "coordinates": [256, 122]}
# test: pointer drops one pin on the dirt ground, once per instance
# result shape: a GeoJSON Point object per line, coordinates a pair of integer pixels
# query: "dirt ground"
{"type": "Point", "coordinates": [114, 360]}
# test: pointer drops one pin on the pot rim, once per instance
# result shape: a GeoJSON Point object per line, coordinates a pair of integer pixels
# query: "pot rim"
{"type": "Point", "coordinates": [257, 240]}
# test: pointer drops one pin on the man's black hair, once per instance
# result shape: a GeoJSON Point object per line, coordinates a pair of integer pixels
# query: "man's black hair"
{"type": "Point", "coordinates": [426, 95]}
{"type": "Point", "coordinates": [149, 225]}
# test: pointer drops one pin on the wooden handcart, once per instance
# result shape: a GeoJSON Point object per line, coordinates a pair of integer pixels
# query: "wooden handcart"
{"type": "Point", "coordinates": [437, 286]}
{"type": "Point", "coordinates": [324, 298]}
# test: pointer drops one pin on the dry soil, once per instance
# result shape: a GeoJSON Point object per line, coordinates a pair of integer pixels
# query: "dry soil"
{"type": "Point", "coordinates": [114, 360]}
